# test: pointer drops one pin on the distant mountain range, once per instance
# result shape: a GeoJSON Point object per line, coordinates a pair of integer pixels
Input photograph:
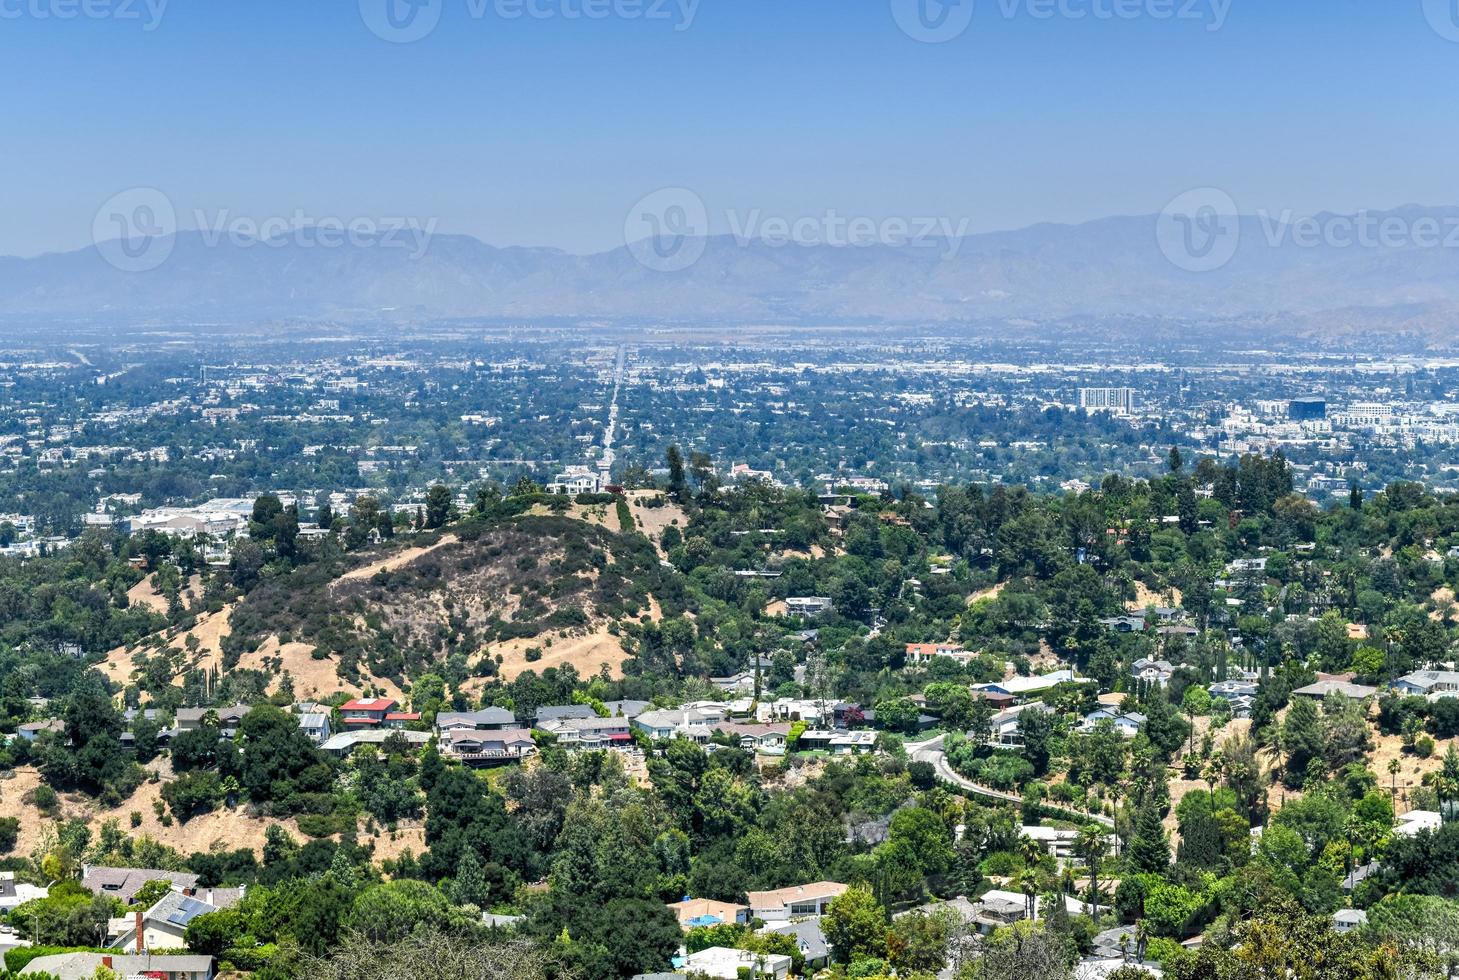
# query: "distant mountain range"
{"type": "Point", "coordinates": [1104, 268]}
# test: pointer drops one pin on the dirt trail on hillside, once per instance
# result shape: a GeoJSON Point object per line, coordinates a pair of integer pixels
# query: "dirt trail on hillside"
{"type": "Point", "coordinates": [393, 562]}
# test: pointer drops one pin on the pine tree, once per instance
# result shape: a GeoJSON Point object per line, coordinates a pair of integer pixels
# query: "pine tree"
{"type": "Point", "coordinates": [469, 888]}
{"type": "Point", "coordinates": [342, 869]}
{"type": "Point", "coordinates": [1149, 849]}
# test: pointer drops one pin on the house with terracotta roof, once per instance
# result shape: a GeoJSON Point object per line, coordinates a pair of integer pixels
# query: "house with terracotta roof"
{"type": "Point", "coordinates": [698, 913]}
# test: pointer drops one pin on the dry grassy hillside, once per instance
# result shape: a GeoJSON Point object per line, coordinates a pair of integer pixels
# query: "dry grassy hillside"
{"type": "Point", "coordinates": [535, 592]}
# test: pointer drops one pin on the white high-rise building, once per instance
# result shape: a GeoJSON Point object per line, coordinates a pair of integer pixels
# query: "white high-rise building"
{"type": "Point", "coordinates": [1118, 400]}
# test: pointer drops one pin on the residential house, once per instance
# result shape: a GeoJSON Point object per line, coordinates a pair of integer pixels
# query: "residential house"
{"type": "Point", "coordinates": [1321, 689]}
{"type": "Point", "coordinates": [366, 712]}
{"type": "Point", "coordinates": [784, 904]}
{"type": "Point", "coordinates": [164, 925]}
{"type": "Point", "coordinates": [1226, 690]}
{"type": "Point", "coordinates": [808, 935]}
{"type": "Point", "coordinates": [84, 966]}
{"type": "Point", "coordinates": [1003, 730]}
{"type": "Point", "coordinates": [316, 725]}
{"type": "Point", "coordinates": [229, 718]}
{"type": "Point", "coordinates": [765, 739]}
{"type": "Point", "coordinates": [590, 733]}
{"type": "Point", "coordinates": [837, 742]}
{"type": "Point", "coordinates": [1023, 687]}
{"type": "Point", "coordinates": [488, 748]}
{"type": "Point", "coordinates": [559, 712]}
{"type": "Point", "coordinates": [1124, 624]}
{"type": "Point", "coordinates": [15, 893]}
{"type": "Point", "coordinates": [698, 913]}
{"type": "Point", "coordinates": [691, 723]}
{"type": "Point", "coordinates": [1431, 684]}
{"type": "Point", "coordinates": [809, 605]}
{"type": "Point", "coordinates": [1347, 920]}
{"type": "Point", "coordinates": [482, 720]}
{"type": "Point", "coordinates": [124, 883]}
{"type": "Point", "coordinates": [1415, 822]}
{"type": "Point", "coordinates": [793, 709]}
{"type": "Point", "coordinates": [1127, 724]}
{"type": "Point", "coordinates": [919, 654]}
{"type": "Point", "coordinates": [346, 742]}
{"type": "Point", "coordinates": [736, 964]}
{"type": "Point", "coordinates": [401, 719]}
{"type": "Point", "coordinates": [743, 682]}
{"type": "Point", "coordinates": [1149, 671]}
{"type": "Point", "coordinates": [627, 708]}
{"type": "Point", "coordinates": [31, 730]}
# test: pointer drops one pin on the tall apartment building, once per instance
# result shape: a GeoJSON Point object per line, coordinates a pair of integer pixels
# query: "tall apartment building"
{"type": "Point", "coordinates": [1119, 400]}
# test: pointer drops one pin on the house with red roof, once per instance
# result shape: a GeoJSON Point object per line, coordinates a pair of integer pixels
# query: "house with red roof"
{"type": "Point", "coordinates": [366, 712]}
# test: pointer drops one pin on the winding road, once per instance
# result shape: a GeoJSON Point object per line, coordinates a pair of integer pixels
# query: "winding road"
{"type": "Point", "coordinates": [931, 751]}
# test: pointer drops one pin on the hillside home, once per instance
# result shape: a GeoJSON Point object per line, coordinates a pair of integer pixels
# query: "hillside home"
{"type": "Point", "coordinates": [366, 712]}
{"type": "Point", "coordinates": [1430, 684]}
{"type": "Point", "coordinates": [488, 748]}
{"type": "Point", "coordinates": [482, 720]}
{"type": "Point", "coordinates": [784, 904]}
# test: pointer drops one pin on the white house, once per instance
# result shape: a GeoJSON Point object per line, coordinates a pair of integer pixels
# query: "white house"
{"type": "Point", "coordinates": [784, 904]}
{"type": "Point", "coordinates": [1416, 821]}
{"type": "Point", "coordinates": [1429, 684]}
{"type": "Point", "coordinates": [727, 964]}
{"type": "Point", "coordinates": [1127, 724]}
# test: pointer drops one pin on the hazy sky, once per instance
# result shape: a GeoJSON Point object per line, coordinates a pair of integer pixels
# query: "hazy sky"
{"type": "Point", "coordinates": [546, 129]}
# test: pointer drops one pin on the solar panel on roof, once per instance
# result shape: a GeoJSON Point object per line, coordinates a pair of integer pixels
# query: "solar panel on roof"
{"type": "Point", "coordinates": [187, 910]}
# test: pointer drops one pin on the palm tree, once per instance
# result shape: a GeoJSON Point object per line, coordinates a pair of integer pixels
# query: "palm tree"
{"type": "Point", "coordinates": [1090, 845]}
{"type": "Point", "coordinates": [1393, 767]}
{"type": "Point", "coordinates": [1028, 883]}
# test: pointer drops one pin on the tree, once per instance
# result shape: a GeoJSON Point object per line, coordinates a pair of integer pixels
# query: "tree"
{"type": "Point", "coordinates": [1091, 845]}
{"type": "Point", "coordinates": [1027, 951]}
{"type": "Point", "coordinates": [389, 912]}
{"type": "Point", "coordinates": [213, 932]}
{"type": "Point", "coordinates": [855, 925]}
{"type": "Point", "coordinates": [918, 943]}
{"type": "Point", "coordinates": [438, 506]}
{"type": "Point", "coordinates": [1149, 850]}
{"type": "Point", "coordinates": [436, 954]}
{"type": "Point", "coordinates": [677, 485]}
{"type": "Point", "coordinates": [1301, 738]}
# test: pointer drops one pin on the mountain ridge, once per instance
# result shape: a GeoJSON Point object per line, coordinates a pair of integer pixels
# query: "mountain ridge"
{"type": "Point", "coordinates": [1111, 266]}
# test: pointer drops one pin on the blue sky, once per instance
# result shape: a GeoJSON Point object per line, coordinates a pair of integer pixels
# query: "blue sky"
{"type": "Point", "coordinates": [546, 131]}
